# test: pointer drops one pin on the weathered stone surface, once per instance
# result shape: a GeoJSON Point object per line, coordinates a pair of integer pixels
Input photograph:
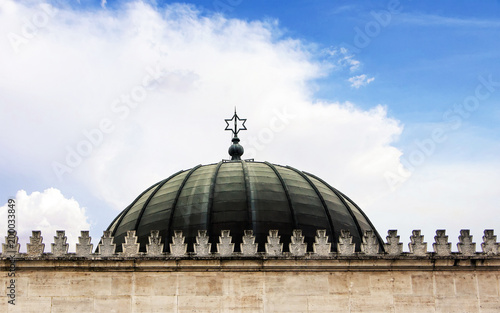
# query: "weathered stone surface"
{"type": "Point", "coordinates": [84, 247]}
{"type": "Point", "coordinates": [345, 247]}
{"type": "Point", "coordinates": [273, 246]}
{"type": "Point", "coordinates": [441, 245]}
{"type": "Point", "coordinates": [107, 247]}
{"type": "Point", "coordinates": [489, 245]}
{"type": "Point", "coordinates": [130, 247]}
{"type": "Point", "coordinates": [225, 247]}
{"type": "Point", "coordinates": [60, 247]}
{"type": "Point", "coordinates": [370, 243]}
{"type": "Point", "coordinates": [417, 245]}
{"type": "Point", "coordinates": [321, 246]}
{"type": "Point", "coordinates": [202, 246]}
{"type": "Point", "coordinates": [393, 246]}
{"type": "Point", "coordinates": [178, 247]}
{"type": "Point", "coordinates": [155, 247]}
{"type": "Point", "coordinates": [248, 246]}
{"type": "Point", "coordinates": [297, 246]}
{"type": "Point", "coordinates": [35, 247]}
{"type": "Point", "coordinates": [11, 246]}
{"type": "Point", "coordinates": [465, 245]}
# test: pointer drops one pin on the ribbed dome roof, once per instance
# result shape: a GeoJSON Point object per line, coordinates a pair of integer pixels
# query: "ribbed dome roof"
{"type": "Point", "coordinates": [241, 195]}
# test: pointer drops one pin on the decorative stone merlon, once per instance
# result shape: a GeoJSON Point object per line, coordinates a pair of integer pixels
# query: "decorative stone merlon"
{"type": "Point", "coordinates": [155, 247]}
{"type": "Point", "coordinates": [489, 245]}
{"type": "Point", "coordinates": [248, 246]}
{"type": "Point", "coordinates": [178, 248]}
{"type": "Point", "coordinates": [321, 246]}
{"type": "Point", "coordinates": [11, 246]}
{"type": "Point", "coordinates": [130, 248]}
{"type": "Point", "coordinates": [441, 245]}
{"type": "Point", "coordinates": [465, 245]}
{"type": "Point", "coordinates": [345, 247]}
{"type": "Point", "coordinates": [273, 245]}
{"type": "Point", "coordinates": [370, 243]}
{"type": "Point", "coordinates": [35, 247]}
{"type": "Point", "coordinates": [393, 246]}
{"type": "Point", "coordinates": [60, 247]}
{"type": "Point", "coordinates": [297, 246]}
{"type": "Point", "coordinates": [84, 247]}
{"type": "Point", "coordinates": [107, 247]}
{"type": "Point", "coordinates": [202, 247]}
{"type": "Point", "coordinates": [225, 247]}
{"type": "Point", "coordinates": [417, 245]}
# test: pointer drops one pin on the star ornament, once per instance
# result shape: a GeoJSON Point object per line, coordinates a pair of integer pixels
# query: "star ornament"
{"type": "Point", "coordinates": [232, 124]}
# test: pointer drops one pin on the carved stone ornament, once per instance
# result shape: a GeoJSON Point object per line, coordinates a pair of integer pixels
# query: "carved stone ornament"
{"type": "Point", "coordinates": [345, 247]}
{"type": "Point", "coordinates": [202, 246]}
{"type": "Point", "coordinates": [417, 245]}
{"type": "Point", "coordinates": [225, 247]}
{"type": "Point", "coordinates": [370, 243]}
{"type": "Point", "coordinates": [60, 247]}
{"type": "Point", "coordinates": [248, 246]}
{"type": "Point", "coordinates": [35, 247]}
{"type": "Point", "coordinates": [321, 246]}
{"type": "Point", "coordinates": [393, 246]}
{"type": "Point", "coordinates": [273, 245]}
{"type": "Point", "coordinates": [178, 247]}
{"type": "Point", "coordinates": [107, 247]}
{"type": "Point", "coordinates": [84, 247]}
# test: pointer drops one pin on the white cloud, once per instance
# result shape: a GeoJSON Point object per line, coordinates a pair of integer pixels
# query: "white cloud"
{"type": "Point", "coordinates": [103, 4]}
{"type": "Point", "coordinates": [360, 80]}
{"type": "Point", "coordinates": [47, 211]}
{"type": "Point", "coordinates": [89, 71]}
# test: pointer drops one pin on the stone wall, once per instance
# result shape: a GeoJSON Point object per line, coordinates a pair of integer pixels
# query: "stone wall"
{"type": "Point", "coordinates": [171, 280]}
{"type": "Point", "coordinates": [279, 285]}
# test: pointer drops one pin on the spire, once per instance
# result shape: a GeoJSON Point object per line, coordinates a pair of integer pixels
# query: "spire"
{"type": "Point", "coordinates": [235, 150]}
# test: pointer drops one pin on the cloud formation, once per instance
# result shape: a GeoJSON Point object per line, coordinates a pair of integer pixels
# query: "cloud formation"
{"type": "Point", "coordinates": [112, 101]}
{"type": "Point", "coordinates": [47, 211]}
{"type": "Point", "coordinates": [360, 81]}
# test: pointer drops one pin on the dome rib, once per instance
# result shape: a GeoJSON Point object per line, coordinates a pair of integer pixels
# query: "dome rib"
{"type": "Point", "coordinates": [248, 190]}
{"type": "Point", "coordinates": [211, 198]}
{"type": "Point", "coordinates": [320, 196]}
{"type": "Point", "coordinates": [174, 204]}
{"type": "Point", "coordinates": [124, 212]}
{"type": "Point", "coordinates": [163, 182]}
{"type": "Point", "coordinates": [380, 241]}
{"type": "Point", "coordinates": [287, 193]}
{"type": "Point", "coordinates": [342, 199]}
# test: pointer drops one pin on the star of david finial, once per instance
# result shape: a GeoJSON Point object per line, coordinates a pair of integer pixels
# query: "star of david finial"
{"type": "Point", "coordinates": [232, 124]}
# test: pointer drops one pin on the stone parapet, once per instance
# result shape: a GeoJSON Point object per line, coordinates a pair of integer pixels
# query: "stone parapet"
{"type": "Point", "coordinates": [369, 249]}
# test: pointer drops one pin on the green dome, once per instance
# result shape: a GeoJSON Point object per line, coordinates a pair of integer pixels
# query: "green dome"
{"type": "Point", "coordinates": [237, 196]}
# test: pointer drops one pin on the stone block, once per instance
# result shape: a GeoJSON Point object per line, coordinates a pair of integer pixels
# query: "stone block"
{"type": "Point", "coordinates": [456, 305]}
{"type": "Point", "coordinates": [277, 303]}
{"type": "Point", "coordinates": [154, 304]}
{"type": "Point", "coordinates": [422, 284]}
{"type": "Point", "coordinates": [371, 304]}
{"type": "Point", "coordinates": [113, 304]}
{"type": "Point", "coordinates": [414, 304]}
{"type": "Point", "coordinates": [338, 283]}
{"type": "Point", "coordinates": [330, 303]}
{"type": "Point", "coordinates": [488, 284]}
{"type": "Point", "coordinates": [466, 284]}
{"type": "Point", "coordinates": [445, 284]}
{"type": "Point", "coordinates": [72, 304]}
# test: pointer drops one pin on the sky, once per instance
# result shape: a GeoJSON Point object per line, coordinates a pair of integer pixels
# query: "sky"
{"type": "Point", "coordinates": [395, 103]}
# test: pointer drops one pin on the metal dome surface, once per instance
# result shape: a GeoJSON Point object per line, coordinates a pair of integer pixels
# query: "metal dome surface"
{"type": "Point", "coordinates": [241, 195]}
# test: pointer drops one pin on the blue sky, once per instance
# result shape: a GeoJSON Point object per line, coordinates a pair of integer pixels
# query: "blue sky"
{"type": "Point", "coordinates": [400, 97]}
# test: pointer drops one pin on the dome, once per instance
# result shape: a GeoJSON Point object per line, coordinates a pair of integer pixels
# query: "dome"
{"type": "Point", "coordinates": [241, 195]}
